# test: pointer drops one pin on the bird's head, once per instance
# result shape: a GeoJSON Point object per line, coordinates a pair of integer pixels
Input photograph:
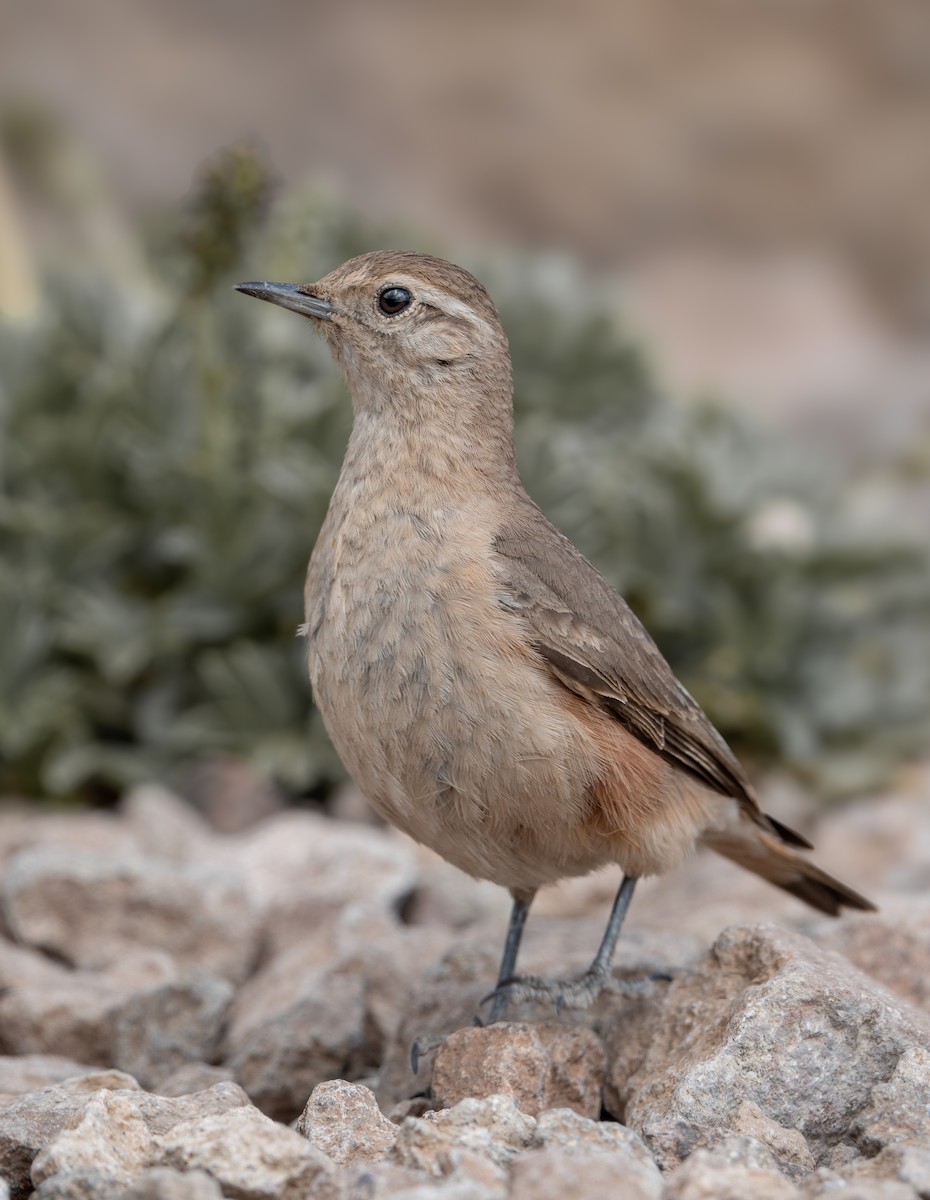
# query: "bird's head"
{"type": "Point", "coordinates": [402, 324]}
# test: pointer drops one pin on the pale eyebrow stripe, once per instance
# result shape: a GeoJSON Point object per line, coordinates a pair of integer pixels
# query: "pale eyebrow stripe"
{"type": "Point", "coordinates": [450, 304]}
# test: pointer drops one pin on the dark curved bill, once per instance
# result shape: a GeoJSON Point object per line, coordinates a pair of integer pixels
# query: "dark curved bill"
{"type": "Point", "coordinates": [289, 295]}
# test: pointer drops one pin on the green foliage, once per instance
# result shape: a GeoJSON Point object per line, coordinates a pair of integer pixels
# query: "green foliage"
{"type": "Point", "coordinates": [168, 449]}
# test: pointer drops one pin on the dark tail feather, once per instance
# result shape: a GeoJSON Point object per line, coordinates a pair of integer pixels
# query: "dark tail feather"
{"type": "Point", "coordinates": [762, 853]}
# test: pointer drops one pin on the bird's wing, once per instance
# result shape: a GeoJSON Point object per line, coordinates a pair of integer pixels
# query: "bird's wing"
{"type": "Point", "coordinates": [595, 645]}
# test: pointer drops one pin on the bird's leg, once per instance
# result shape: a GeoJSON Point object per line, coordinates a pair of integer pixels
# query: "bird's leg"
{"type": "Point", "coordinates": [521, 906]}
{"type": "Point", "coordinates": [518, 914]}
{"type": "Point", "coordinates": [581, 991]}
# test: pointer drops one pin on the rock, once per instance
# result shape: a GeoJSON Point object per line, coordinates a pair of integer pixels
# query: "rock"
{"type": "Point", "coordinates": [32, 1121]}
{"type": "Point", "coordinates": [908, 1165]}
{"type": "Point", "coordinates": [79, 1185]}
{"type": "Point", "coordinates": [165, 826]}
{"type": "Point", "coordinates": [111, 1137]}
{"type": "Point", "coordinates": [161, 1183]}
{"type": "Point", "coordinates": [548, 1065]}
{"type": "Point", "coordinates": [569, 1147]}
{"type": "Point", "coordinates": [770, 1018]}
{"type": "Point", "coordinates": [250, 1156]}
{"type": "Point", "coordinates": [344, 1121]}
{"type": "Point", "coordinates": [157, 1031]}
{"type": "Point", "coordinates": [45, 1008]}
{"type": "Point", "coordinates": [554, 1174]}
{"type": "Point", "coordinates": [892, 946]}
{"type": "Point", "coordinates": [29, 1072]}
{"type": "Point", "coordinates": [737, 1169]}
{"type": "Point", "coordinates": [91, 910]}
{"type": "Point", "coordinates": [303, 870]}
{"type": "Point", "coordinates": [231, 794]}
{"type": "Point", "coordinates": [294, 1025]}
{"type": "Point", "coordinates": [788, 1147]}
{"type": "Point", "coordinates": [193, 1077]}
{"type": "Point", "coordinates": [492, 1127]}
{"type": "Point", "coordinates": [898, 1111]}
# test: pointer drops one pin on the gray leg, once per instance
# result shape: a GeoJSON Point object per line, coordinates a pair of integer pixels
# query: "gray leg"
{"type": "Point", "coordinates": [584, 989]}
{"type": "Point", "coordinates": [518, 916]}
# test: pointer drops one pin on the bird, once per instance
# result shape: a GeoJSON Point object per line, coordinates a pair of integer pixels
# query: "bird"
{"type": "Point", "coordinates": [490, 693]}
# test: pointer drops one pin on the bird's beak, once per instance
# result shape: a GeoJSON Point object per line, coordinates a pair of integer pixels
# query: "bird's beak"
{"type": "Point", "coordinates": [289, 295]}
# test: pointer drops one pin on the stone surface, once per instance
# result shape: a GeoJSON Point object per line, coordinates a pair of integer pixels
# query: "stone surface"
{"type": "Point", "coordinates": [344, 1121]}
{"type": "Point", "coordinates": [90, 909]}
{"type": "Point", "coordinates": [111, 1137]}
{"type": "Point", "coordinates": [89, 1184]}
{"type": "Point", "coordinates": [33, 1120]}
{"type": "Point", "coordinates": [293, 1026]}
{"type": "Point", "coordinates": [46, 1008]}
{"type": "Point", "coordinates": [770, 1018]}
{"type": "Point", "coordinates": [302, 870]}
{"type": "Point", "coordinates": [29, 1123]}
{"type": "Point", "coordinates": [892, 946]}
{"type": "Point", "coordinates": [546, 1065]}
{"type": "Point", "coordinates": [193, 1077]}
{"type": "Point", "coordinates": [157, 1031]}
{"type": "Point", "coordinates": [732, 1172]}
{"type": "Point", "coordinates": [29, 1072]}
{"type": "Point", "coordinates": [250, 1156]}
{"type": "Point", "coordinates": [554, 1174]}
{"type": "Point", "coordinates": [597, 1151]}
{"type": "Point", "coordinates": [899, 1110]}
{"type": "Point", "coordinates": [161, 1183]}
{"type": "Point", "coordinates": [493, 1128]}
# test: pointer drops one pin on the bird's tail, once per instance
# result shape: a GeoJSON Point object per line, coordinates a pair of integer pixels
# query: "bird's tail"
{"type": "Point", "coordinates": [772, 854]}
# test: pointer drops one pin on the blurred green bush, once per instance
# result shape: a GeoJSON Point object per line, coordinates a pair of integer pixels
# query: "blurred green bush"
{"type": "Point", "coordinates": [168, 450]}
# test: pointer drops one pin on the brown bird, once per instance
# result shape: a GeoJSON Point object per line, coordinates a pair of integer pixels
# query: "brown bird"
{"type": "Point", "coordinates": [486, 688]}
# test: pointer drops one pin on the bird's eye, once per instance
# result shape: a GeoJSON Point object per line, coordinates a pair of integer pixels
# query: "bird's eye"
{"type": "Point", "coordinates": [394, 300]}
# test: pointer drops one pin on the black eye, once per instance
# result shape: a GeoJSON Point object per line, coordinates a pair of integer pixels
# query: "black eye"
{"type": "Point", "coordinates": [394, 300]}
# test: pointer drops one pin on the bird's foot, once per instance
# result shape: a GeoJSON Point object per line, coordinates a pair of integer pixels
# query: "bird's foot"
{"type": "Point", "coordinates": [421, 1047]}
{"type": "Point", "coordinates": [579, 992]}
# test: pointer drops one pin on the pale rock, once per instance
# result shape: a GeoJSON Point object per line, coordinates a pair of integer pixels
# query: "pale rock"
{"type": "Point", "coordinates": [893, 946]}
{"type": "Point", "coordinates": [29, 1123]}
{"type": "Point", "coordinates": [161, 1183]}
{"type": "Point", "coordinates": [905, 1164]}
{"type": "Point", "coordinates": [790, 1150]}
{"type": "Point", "coordinates": [23, 827]}
{"type": "Point", "coordinates": [29, 1072]}
{"type": "Point", "coordinates": [90, 910]}
{"type": "Point", "coordinates": [899, 1110]}
{"type": "Point", "coordinates": [164, 825]}
{"type": "Point", "coordinates": [492, 1127]}
{"type": "Point", "coordinates": [302, 870]}
{"type": "Point", "coordinates": [193, 1077]}
{"type": "Point", "coordinates": [734, 1171]}
{"type": "Point", "coordinates": [158, 1031]}
{"type": "Point", "coordinates": [541, 1066]}
{"type": "Point", "coordinates": [47, 1009]}
{"type": "Point", "coordinates": [250, 1156]}
{"type": "Point", "coordinates": [599, 1150]}
{"type": "Point", "coordinates": [88, 1184]}
{"type": "Point", "coordinates": [297, 1023]}
{"type": "Point", "coordinates": [344, 1121]}
{"type": "Point", "coordinates": [111, 1137]}
{"type": "Point", "coordinates": [554, 1174]}
{"type": "Point", "coordinates": [771, 1018]}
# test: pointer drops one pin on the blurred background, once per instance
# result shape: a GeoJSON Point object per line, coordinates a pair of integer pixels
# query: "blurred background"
{"type": "Point", "coordinates": [707, 223]}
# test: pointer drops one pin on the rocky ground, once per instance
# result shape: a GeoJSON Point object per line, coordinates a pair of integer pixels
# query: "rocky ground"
{"type": "Point", "coordinates": [188, 1013]}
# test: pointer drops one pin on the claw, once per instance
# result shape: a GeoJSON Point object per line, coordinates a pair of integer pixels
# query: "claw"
{"type": "Point", "coordinates": [420, 1048]}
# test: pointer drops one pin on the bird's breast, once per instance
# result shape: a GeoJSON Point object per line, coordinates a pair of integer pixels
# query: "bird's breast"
{"type": "Point", "coordinates": [430, 690]}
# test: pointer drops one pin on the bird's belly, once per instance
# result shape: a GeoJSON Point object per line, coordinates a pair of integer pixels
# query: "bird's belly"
{"type": "Point", "coordinates": [448, 722]}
